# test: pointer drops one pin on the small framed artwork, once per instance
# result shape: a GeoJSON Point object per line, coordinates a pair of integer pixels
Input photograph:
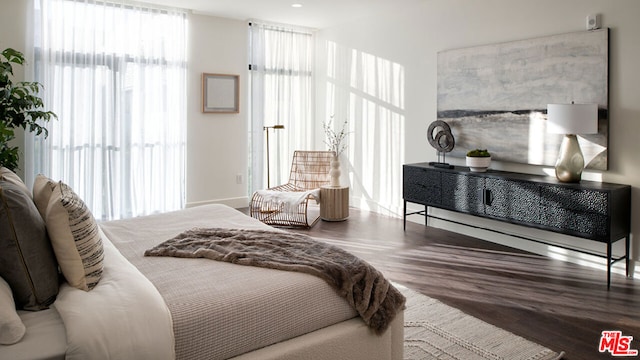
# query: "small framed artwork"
{"type": "Point", "coordinates": [220, 93]}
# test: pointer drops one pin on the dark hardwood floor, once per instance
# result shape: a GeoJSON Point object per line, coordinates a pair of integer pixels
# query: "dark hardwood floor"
{"type": "Point", "coordinates": [560, 305]}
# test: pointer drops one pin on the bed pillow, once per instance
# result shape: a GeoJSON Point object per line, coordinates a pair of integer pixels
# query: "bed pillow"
{"type": "Point", "coordinates": [75, 238]}
{"type": "Point", "coordinates": [10, 176]}
{"type": "Point", "coordinates": [42, 190]}
{"type": "Point", "coordinates": [12, 328]}
{"type": "Point", "coordinates": [27, 261]}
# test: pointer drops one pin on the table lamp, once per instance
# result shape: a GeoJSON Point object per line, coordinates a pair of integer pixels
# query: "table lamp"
{"type": "Point", "coordinates": [570, 120]}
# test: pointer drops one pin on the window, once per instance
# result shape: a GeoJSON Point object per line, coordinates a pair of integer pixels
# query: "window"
{"type": "Point", "coordinates": [115, 74]}
{"type": "Point", "coordinates": [281, 63]}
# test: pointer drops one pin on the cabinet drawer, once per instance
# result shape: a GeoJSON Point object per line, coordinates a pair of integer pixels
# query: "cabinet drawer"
{"type": "Point", "coordinates": [581, 200]}
{"type": "Point", "coordinates": [422, 186]}
{"type": "Point", "coordinates": [580, 212]}
{"type": "Point", "coordinates": [588, 225]}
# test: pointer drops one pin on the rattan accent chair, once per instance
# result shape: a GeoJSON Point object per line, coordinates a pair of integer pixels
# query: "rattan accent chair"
{"type": "Point", "coordinates": [309, 171]}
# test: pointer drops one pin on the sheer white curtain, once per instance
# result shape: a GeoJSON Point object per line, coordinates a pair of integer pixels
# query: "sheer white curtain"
{"type": "Point", "coordinates": [115, 74]}
{"type": "Point", "coordinates": [281, 63]}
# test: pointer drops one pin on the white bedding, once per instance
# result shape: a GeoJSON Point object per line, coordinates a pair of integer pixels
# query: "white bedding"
{"type": "Point", "coordinates": [44, 339]}
{"type": "Point", "coordinates": [221, 310]}
{"type": "Point", "coordinates": [123, 317]}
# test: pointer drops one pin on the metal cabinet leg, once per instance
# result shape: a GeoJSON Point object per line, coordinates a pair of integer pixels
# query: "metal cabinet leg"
{"type": "Point", "coordinates": [426, 215]}
{"type": "Point", "coordinates": [609, 264]}
{"type": "Point", "coordinates": [404, 216]}
{"type": "Point", "coordinates": [627, 246]}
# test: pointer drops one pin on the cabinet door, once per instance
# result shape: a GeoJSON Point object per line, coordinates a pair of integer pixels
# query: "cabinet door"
{"type": "Point", "coordinates": [579, 212]}
{"type": "Point", "coordinates": [462, 192]}
{"type": "Point", "coordinates": [512, 200]}
{"type": "Point", "coordinates": [421, 185]}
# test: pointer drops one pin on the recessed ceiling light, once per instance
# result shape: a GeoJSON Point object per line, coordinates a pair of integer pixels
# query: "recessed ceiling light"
{"type": "Point", "coordinates": [296, 5]}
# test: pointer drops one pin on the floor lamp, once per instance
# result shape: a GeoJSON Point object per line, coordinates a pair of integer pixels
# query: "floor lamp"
{"type": "Point", "coordinates": [266, 129]}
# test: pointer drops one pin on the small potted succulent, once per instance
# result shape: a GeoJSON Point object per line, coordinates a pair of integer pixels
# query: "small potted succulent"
{"type": "Point", "coordinates": [478, 160]}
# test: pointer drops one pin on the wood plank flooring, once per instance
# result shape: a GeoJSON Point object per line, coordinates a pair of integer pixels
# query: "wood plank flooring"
{"type": "Point", "coordinates": [560, 305]}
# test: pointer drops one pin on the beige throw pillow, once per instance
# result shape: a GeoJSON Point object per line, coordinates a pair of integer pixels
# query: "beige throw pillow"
{"type": "Point", "coordinates": [12, 328]}
{"type": "Point", "coordinates": [75, 238]}
{"type": "Point", "coordinates": [42, 190]}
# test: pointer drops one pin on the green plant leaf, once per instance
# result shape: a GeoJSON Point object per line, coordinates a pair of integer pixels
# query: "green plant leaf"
{"type": "Point", "coordinates": [478, 153]}
{"type": "Point", "coordinates": [20, 106]}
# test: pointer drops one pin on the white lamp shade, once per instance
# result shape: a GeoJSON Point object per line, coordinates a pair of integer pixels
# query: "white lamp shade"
{"type": "Point", "coordinates": [572, 118]}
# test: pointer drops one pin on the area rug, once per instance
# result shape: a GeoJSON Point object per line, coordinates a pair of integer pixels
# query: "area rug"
{"type": "Point", "coordinates": [433, 330]}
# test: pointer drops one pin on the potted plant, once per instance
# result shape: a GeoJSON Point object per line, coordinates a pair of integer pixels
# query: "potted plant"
{"type": "Point", "coordinates": [20, 106]}
{"type": "Point", "coordinates": [478, 160]}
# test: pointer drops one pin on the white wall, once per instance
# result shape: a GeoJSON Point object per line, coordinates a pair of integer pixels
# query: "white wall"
{"type": "Point", "coordinates": [412, 38]}
{"type": "Point", "coordinates": [217, 143]}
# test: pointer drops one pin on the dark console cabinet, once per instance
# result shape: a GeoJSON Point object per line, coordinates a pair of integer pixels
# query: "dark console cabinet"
{"type": "Point", "coordinates": [589, 210]}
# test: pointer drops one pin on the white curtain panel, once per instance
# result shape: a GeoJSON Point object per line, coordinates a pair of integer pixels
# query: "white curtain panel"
{"type": "Point", "coordinates": [115, 74]}
{"type": "Point", "coordinates": [281, 61]}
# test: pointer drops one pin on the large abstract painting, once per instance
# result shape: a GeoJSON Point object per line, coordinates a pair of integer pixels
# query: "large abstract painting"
{"type": "Point", "coordinates": [495, 97]}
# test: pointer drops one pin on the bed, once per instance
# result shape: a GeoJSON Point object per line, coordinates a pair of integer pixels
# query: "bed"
{"type": "Point", "coordinates": [166, 308]}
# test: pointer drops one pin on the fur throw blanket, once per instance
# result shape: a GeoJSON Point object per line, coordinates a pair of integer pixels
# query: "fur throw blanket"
{"type": "Point", "coordinates": [364, 287]}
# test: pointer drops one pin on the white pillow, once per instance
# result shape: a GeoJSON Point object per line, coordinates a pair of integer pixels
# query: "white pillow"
{"type": "Point", "coordinates": [11, 327]}
{"type": "Point", "coordinates": [75, 238]}
{"type": "Point", "coordinates": [42, 190]}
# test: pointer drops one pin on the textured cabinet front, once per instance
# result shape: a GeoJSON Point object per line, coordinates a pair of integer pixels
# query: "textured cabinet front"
{"type": "Point", "coordinates": [582, 200]}
{"type": "Point", "coordinates": [421, 185]}
{"type": "Point", "coordinates": [517, 201]}
{"type": "Point", "coordinates": [462, 192]}
{"type": "Point", "coordinates": [583, 213]}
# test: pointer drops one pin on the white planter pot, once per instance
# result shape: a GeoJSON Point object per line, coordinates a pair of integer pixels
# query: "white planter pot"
{"type": "Point", "coordinates": [478, 164]}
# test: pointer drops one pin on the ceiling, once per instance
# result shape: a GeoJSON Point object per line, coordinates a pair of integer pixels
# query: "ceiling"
{"type": "Point", "coordinates": [313, 13]}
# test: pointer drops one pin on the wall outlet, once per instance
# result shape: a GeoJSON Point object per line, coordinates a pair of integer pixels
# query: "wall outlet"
{"type": "Point", "coordinates": [238, 178]}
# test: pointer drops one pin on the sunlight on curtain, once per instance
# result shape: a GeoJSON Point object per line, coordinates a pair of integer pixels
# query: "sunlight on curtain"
{"type": "Point", "coordinates": [281, 61]}
{"type": "Point", "coordinates": [115, 74]}
{"type": "Point", "coordinates": [369, 91]}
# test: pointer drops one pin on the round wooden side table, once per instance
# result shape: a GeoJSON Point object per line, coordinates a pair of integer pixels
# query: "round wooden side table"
{"type": "Point", "coordinates": [334, 203]}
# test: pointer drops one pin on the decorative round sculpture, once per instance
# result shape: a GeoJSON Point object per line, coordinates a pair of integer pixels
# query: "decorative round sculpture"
{"type": "Point", "coordinates": [440, 136]}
